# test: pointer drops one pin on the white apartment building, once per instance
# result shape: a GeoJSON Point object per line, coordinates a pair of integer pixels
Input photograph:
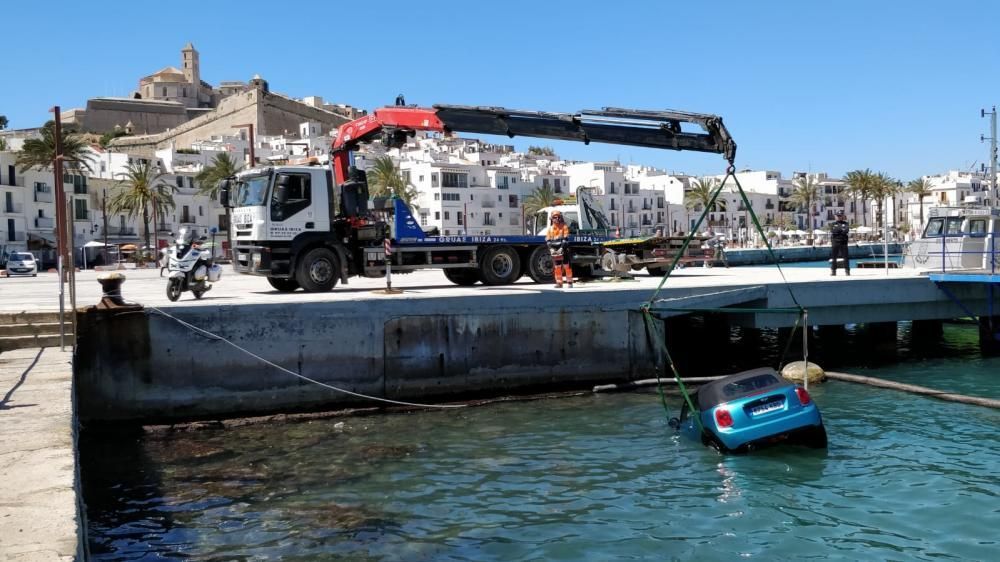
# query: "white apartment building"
{"type": "Point", "coordinates": [27, 210]}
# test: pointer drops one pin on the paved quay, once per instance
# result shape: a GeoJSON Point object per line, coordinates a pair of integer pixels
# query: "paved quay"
{"type": "Point", "coordinates": [38, 484]}
{"type": "Point", "coordinates": [35, 294]}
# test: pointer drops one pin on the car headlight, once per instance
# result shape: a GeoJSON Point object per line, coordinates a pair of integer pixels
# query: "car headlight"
{"type": "Point", "coordinates": [255, 260]}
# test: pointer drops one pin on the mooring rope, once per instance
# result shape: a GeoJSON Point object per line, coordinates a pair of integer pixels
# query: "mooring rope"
{"type": "Point", "coordinates": [217, 337]}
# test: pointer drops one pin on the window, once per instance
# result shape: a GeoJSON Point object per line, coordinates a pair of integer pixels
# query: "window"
{"type": "Point", "coordinates": [180, 181]}
{"type": "Point", "coordinates": [460, 218]}
{"type": "Point", "coordinates": [454, 179]}
{"type": "Point", "coordinates": [611, 188]}
{"type": "Point", "coordinates": [434, 180]}
{"type": "Point", "coordinates": [292, 193]}
{"type": "Point", "coordinates": [423, 218]}
{"type": "Point", "coordinates": [977, 227]}
{"type": "Point", "coordinates": [450, 196]}
{"type": "Point", "coordinates": [223, 223]}
{"type": "Point", "coordinates": [80, 210]}
{"type": "Point", "coordinates": [512, 201]}
{"type": "Point", "coordinates": [446, 215]}
{"type": "Point", "coordinates": [186, 215]}
{"type": "Point", "coordinates": [437, 215]}
{"type": "Point", "coordinates": [164, 91]}
{"type": "Point", "coordinates": [437, 196]}
{"type": "Point", "coordinates": [201, 213]}
{"type": "Point", "coordinates": [545, 182]}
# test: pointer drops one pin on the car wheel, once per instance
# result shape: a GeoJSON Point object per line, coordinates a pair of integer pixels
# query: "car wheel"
{"type": "Point", "coordinates": [318, 271]}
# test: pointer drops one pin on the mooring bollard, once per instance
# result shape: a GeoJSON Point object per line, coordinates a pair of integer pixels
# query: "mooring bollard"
{"type": "Point", "coordinates": [111, 285]}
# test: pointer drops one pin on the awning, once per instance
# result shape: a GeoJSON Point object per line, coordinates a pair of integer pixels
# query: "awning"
{"type": "Point", "coordinates": [42, 237]}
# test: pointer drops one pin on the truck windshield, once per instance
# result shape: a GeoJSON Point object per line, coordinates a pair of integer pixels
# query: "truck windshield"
{"type": "Point", "coordinates": [251, 191]}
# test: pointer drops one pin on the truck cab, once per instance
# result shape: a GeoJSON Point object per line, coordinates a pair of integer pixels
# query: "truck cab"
{"type": "Point", "coordinates": [279, 211]}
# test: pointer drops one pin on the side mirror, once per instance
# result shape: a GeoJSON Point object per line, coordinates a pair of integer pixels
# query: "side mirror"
{"type": "Point", "coordinates": [224, 187]}
{"type": "Point", "coordinates": [281, 189]}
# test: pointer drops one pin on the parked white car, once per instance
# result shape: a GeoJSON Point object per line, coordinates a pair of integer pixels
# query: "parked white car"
{"type": "Point", "coordinates": [22, 263]}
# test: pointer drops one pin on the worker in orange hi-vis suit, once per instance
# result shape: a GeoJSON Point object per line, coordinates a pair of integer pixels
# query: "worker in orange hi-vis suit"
{"type": "Point", "coordinates": [557, 238]}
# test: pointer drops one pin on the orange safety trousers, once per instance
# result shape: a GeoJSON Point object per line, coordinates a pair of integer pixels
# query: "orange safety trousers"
{"type": "Point", "coordinates": [562, 271]}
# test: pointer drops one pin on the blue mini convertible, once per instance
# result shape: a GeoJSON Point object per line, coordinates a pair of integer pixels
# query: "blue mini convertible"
{"type": "Point", "coordinates": [750, 410]}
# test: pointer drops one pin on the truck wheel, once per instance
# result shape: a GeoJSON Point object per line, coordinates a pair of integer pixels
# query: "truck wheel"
{"type": "Point", "coordinates": [656, 271]}
{"type": "Point", "coordinates": [318, 270]}
{"type": "Point", "coordinates": [540, 265]}
{"type": "Point", "coordinates": [283, 285]}
{"type": "Point", "coordinates": [463, 277]}
{"type": "Point", "coordinates": [500, 266]}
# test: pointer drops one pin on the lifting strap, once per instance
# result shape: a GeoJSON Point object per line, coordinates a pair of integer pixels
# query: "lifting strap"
{"type": "Point", "coordinates": [647, 308]}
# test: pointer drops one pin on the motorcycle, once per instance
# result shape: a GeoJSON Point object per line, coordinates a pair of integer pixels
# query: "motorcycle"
{"type": "Point", "coordinates": [190, 267]}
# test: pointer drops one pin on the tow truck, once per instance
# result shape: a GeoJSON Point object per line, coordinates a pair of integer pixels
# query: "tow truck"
{"type": "Point", "coordinates": [309, 227]}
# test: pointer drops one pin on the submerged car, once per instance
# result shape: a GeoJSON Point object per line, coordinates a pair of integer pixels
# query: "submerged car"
{"type": "Point", "coordinates": [22, 263]}
{"type": "Point", "coordinates": [750, 410]}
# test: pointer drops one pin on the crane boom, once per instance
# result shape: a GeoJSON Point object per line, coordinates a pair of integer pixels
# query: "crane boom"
{"type": "Point", "coordinates": [651, 129]}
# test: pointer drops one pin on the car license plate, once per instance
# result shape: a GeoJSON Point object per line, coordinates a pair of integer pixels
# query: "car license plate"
{"type": "Point", "coordinates": [765, 408]}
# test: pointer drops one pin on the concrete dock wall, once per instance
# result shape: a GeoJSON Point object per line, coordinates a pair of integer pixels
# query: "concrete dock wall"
{"type": "Point", "coordinates": [140, 366]}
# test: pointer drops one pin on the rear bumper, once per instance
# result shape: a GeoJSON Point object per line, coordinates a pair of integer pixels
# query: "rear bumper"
{"type": "Point", "coordinates": [779, 429]}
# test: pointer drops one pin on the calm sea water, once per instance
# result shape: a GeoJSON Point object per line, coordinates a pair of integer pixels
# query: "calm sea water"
{"type": "Point", "coordinates": [599, 477]}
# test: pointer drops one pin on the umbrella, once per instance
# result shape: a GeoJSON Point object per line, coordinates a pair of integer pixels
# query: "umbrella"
{"type": "Point", "coordinates": [129, 247]}
{"type": "Point", "coordinates": [797, 232]}
{"type": "Point", "coordinates": [95, 244]}
{"type": "Point", "coordinates": [819, 232]}
{"type": "Point", "coordinates": [864, 229]}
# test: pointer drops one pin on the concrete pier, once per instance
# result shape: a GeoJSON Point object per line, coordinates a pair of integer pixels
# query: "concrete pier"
{"type": "Point", "coordinates": [435, 341]}
{"type": "Point", "coordinates": [39, 510]}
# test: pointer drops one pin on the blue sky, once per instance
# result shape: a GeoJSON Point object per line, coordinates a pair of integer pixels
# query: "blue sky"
{"type": "Point", "coordinates": [823, 86]}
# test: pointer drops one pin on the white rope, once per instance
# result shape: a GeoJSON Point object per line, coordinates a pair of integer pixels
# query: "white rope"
{"type": "Point", "coordinates": [293, 373]}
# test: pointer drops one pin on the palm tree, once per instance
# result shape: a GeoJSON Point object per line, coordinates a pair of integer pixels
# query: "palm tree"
{"type": "Point", "coordinates": [385, 180]}
{"type": "Point", "coordinates": [804, 195]}
{"type": "Point", "coordinates": [700, 195]}
{"type": "Point", "coordinates": [41, 153]}
{"type": "Point", "coordinates": [142, 190]}
{"type": "Point", "coordinates": [859, 185]}
{"type": "Point", "coordinates": [921, 188]}
{"type": "Point", "coordinates": [223, 166]}
{"type": "Point", "coordinates": [540, 198]}
{"type": "Point", "coordinates": [882, 187]}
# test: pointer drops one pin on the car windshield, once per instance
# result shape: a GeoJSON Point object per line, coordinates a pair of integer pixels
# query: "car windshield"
{"type": "Point", "coordinates": [16, 256]}
{"type": "Point", "coordinates": [251, 191]}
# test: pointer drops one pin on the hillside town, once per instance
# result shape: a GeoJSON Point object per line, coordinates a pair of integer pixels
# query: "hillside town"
{"type": "Point", "coordinates": [178, 128]}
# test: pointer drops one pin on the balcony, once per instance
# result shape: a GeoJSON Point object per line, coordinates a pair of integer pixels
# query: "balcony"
{"type": "Point", "coordinates": [489, 221]}
{"type": "Point", "coordinates": [188, 219]}
{"type": "Point", "coordinates": [45, 222]}
{"type": "Point", "coordinates": [163, 227]}
{"type": "Point", "coordinates": [488, 203]}
{"type": "Point", "coordinates": [119, 231]}
{"type": "Point", "coordinates": [43, 197]}
{"type": "Point", "coordinates": [769, 206]}
{"type": "Point", "coordinates": [13, 208]}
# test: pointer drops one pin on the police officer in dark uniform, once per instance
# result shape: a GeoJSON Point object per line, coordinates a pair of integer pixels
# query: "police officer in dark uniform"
{"type": "Point", "coordinates": [838, 240]}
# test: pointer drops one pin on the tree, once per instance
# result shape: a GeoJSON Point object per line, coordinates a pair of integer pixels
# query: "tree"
{"type": "Point", "coordinates": [3, 122]}
{"type": "Point", "coordinates": [540, 198]}
{"type": "Point", "coordinates": [859, 186]}
{"type": "Point", "coordinates": [41, 153]}
{"type": "Point", "coordinates": [3, 145]}
{"type": "Point", "coordinates": [223, 166]}
{"type": "Point", "coordinates": [804, 195]}
{"type": "Point", "coordinates": [700, 193]}
{"type": "Point", "coordinates": [541, 151]}
{"type": "Point", "coordinates": [385, 180]}
{"type": "Point", "coordinates": [141, 190]}
{"type": "Point", "coordinates": [882, 187]}
{"type": "Point", "coordinates": [921, 188]}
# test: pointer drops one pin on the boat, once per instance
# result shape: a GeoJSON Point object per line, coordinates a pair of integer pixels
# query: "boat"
{"type": "Point", "coordinates": [956, 238]}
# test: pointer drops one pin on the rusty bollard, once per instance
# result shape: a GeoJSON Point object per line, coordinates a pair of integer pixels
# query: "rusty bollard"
{"type": "Point", "coordinates": [111, 285]}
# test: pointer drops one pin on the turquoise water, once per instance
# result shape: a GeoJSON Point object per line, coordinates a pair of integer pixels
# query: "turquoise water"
{"type": "Point", "coordinates": [595, 477]}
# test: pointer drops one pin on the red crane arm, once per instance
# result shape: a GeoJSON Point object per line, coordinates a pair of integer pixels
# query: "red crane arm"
{"type": "Point", "coordinates": [361, 130]}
